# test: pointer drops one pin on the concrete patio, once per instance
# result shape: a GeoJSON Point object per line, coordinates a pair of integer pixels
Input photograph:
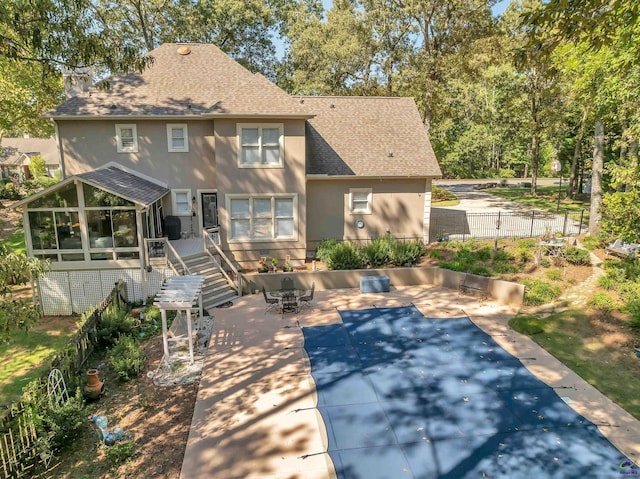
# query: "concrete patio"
{"type": "Point", "coordinates": [255, 414]}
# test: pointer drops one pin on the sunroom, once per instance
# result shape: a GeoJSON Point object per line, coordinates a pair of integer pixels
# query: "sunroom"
{"type": "Point", "coordinates": [99, 218]}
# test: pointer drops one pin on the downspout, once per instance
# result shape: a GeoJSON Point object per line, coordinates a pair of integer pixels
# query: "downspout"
{"type": "Point", "coordinates": [63, 173]}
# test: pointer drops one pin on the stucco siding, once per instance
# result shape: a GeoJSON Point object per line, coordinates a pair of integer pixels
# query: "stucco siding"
{"type": "Point", "coordinates": [397, 207]}
{"type": "Point", "coordinates": [288, 179]}
{"type": "Point", "coordinates": [87, 145]}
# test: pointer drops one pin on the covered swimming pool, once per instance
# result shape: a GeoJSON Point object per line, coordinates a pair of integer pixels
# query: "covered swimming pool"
{"type": "Point", "coordinates": [402, 395]}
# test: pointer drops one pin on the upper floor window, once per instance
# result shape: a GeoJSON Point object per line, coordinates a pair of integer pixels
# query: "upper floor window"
{"type": "Point", "coordinates": [360, 200]}
{"type": "Point", "coordinates": [177, 137]}
{"type": "Point", "coordinates": [260, 145]}
{"type": "Point", "coordinates": [127, 138]}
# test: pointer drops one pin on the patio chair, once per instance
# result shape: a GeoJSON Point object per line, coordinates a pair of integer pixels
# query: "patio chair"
{"type": "Point", "coordinates": [306, 301]}
{"type": "Point", "coordinates": [287, 284]}
{"type": "Point", "coordinates": [271, 301]}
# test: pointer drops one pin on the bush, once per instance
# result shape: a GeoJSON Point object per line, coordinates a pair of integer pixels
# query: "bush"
{"type": "Point", "coordinates": [591, 242]}
{"type": "Point", "coordinates": [523, 254]}
{"type": "Point", "coordinates": [126, 358]}
{"type": "Point", "coordinates": [435, 254]}
{"type": "Point", "coordinates": [554, 274]}
{"type": "Point", "coordinates": [633, 308]}
{"type": "Point", "coordinates": [65, 422]}
{"type": "Point", "coordinates": [377, 253]}
{"type": "Point", "coordinates": [537, 291]}
{"type": "Point", "coordinates": [344, 256]}
{"type": "Point", "coordinates": [113, 323]}
{"type": "Point", "coordinates": [325, 248]}
{"type": "Point", "coordinates": [9, 192]}
{"type": "Point", "coordinates": [603, 302]}
{"type": "Point", "coordinates": [406, 253]}
{"type": "Point", "coordinates": [528, 325]}
{"type": "Point", "coordinates": [440, 194]}
{"type": "Point", "coordinates": [121, 452]}
{"type": "Point", "coordinates": [578, 256]}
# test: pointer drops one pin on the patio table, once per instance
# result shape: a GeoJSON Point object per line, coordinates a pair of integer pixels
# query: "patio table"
{"type": "Point", "coordinates": [288, 298]}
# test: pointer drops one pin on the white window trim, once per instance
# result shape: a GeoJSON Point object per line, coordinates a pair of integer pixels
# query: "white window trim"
{"type": "Point", "coordinates": [260, 126]}
{"type": "Point", "coordinates": [352, 208]}
{"type": "Point", "coordinates": [273, 197]}
{"type": "Point", "coordinates": [171, 148]}
{"type": "Point", "coordinates": [174, 203]}
{"type": "Point", "coordinates": [120, 147]}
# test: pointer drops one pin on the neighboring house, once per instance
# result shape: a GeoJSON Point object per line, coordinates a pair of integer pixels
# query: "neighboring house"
{"type": "Point", "coordinates": [198, 146]}
{"type": "Point", "coordinates": [16, 154]}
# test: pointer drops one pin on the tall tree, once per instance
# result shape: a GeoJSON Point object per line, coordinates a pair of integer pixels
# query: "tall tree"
{"type": "Point", "coordinates": [596, 181]}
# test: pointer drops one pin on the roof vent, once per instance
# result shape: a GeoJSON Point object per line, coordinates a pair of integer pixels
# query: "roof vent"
{"type": "Point", "coordinates": [390, 155]}
{"type": "Point", "coordinates": [113, 106]}
{"type": "Point", "coordinates": [184, 50]}
{"type": "Point", "coordinates": [332, 106]}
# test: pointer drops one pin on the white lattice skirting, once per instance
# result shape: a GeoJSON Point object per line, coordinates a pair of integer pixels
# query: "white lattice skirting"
{"type": "Point", "coordinates": [68, 292]}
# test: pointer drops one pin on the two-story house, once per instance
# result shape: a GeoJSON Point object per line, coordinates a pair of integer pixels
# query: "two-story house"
{"type": "Point", "coordinates": [197, 146]}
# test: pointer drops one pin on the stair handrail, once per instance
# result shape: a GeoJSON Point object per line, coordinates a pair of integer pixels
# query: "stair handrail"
{"type": "Point", "coordinates": [208, 243]}
{"type": "Point", "coordinates": [171, 251]}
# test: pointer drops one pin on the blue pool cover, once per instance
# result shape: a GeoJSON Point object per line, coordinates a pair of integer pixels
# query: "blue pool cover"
{"type": "Point", "coordinates": [404, 396]}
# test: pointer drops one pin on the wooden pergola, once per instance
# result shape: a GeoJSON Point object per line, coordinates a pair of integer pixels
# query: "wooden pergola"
{"type": "Point", "coordinates": [180, 293]}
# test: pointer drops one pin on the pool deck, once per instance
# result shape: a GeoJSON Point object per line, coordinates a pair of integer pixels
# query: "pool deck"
{"type": "Point", "coordinates": [255, 414]}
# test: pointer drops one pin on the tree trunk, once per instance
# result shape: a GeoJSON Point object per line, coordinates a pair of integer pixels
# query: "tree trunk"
{"type": "Point", "coordinates": [577, 152]}
{"type": "Point", "coordinates": [535, 152]}
{"type": "Point", "coordinates": [596, 181]}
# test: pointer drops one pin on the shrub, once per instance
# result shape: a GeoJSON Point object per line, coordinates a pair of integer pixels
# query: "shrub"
{"type": "Point", "coordinates": [406, 253]}
{"type": "Point", "coordinates": [523, 254]}
{"type": "Point", "coordinates": [121, 452]}
{"type": "Point", "coordinates": [628, 291]}
{"type": "Point", "coordinates": [126, 358]}
{"type": "Point", "coordinates": [603, 302]}
{"type": "Point", "coordinates": [440, 194]}
{"type": "Point", "coordinates": [435, 254]}
{"type": "Point", "coordinates": [528, 325]}
{"type": "Point", "coordinates": [578, 256]}
{"type": "Point", "coordinates": [377, 253]}
{"type": "Point", "coordinates": [633, 308]}
{"type": "Point", "coordinates": [554, 274]}
{"type": "Point", "coordinates": [113, 323]}
{"type": "Point", "coordinates": [545, 262]}
{"type": "Point", "coordinates": [528, 243]}
{"type": "Point", "coordinates": [537, 291]}
{"type": "Point", "coordinates": [612, 278]}
{"type": "Point", "coordinates": [325, 248]}
{"type": "Point", "coordinates": [9, 192]}
{"type": "Point", "coordinates": [344, 256]}
{"type": "Point", "coordinates": [591, 242]}
{"type": "Point", "coordinates": [65, 422]}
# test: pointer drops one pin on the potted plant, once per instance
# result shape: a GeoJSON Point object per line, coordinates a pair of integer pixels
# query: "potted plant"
{"type": "Point", "coordinates": [274, 262]}
{"type": "Point", "coordinates": [286, 267]}
{"type": "Point", "coordinates": [262, 265]}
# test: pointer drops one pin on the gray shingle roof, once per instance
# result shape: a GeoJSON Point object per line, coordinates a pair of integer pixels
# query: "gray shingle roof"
{"type": "Point", "coordinates": [204, 82]}
{"type": "Point", "coordinates": [367, 136]}
{"type": "Point", "coordinates": [124, 184]}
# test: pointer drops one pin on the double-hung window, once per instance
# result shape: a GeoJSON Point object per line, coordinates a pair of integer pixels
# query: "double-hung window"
{"type": "Point", "coordinates": [262, 218]}
{"type": "Point", "coordinates": [260, 146]}
{"type": "Point", "coordinates": [177, 137]}
{"type": "Point", "coordinates": [126, 138]}
{"type": "Point", "coordinates": [360, 200]}
{"type": "Point", "coordinates": [181, 202]}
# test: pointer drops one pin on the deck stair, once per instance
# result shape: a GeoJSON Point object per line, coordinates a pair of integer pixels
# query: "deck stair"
{"type": "Point", "coordinates": [216, 290]}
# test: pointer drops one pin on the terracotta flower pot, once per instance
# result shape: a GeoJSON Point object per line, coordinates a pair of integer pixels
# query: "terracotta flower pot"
{"type": "Point", "coordinates": [94, 387]}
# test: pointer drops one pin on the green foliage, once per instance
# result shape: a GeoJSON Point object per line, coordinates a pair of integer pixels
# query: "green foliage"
{"type": "Point", "coordinates": [406, 253]}
{"type": "Point", "coordinates": [9, 191]}
{"type": "Point", "coordinates": [578, 256]}
{"type": "Point", "coordinates": [435, 254]}
{"type": "Point", "coordinates": [325, 249]}
{"type": "Point", "coordinates": [344, 256]}
{"type": "Point", "coordinates": [441, 194]}
{"type": "Point", "coordinates": [528, 325]}
{"type": "Point", "coordinates": [65, 422]}
{"type": "Point", "coordinates": [527, 243]}
{"type": "Point", "coordinates": [378, 252]}
{"type": "Point", "coordinates": [554, 274]}
{"type": "Point", "coordinates": [603, 302]}
{"type": "Point", "coordinates": [113, 323]}
{"type": "Point", "coordinates": [15, 315]}
{"type": "Point", "coordinates": [545, 262]}
{"type": "Point", "coordinates": [37, 166]}
{"type": "Point", "coordinates": [126, 358]}
{"type": "Point", "coordinates": [121, 452]}
{"type": "Point", "coordinates": [523, 254]}
{"type": "Point", "coordinates": [591, 242]}
{"type": "Point", "coordinates": [537, 291]}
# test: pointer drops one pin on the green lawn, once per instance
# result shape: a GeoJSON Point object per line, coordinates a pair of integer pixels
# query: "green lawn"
{"type": "Point", "coordinates": [601, 361]}
{"type": "Point", "coordinates": [547, 198]}
{"type": "Point", "coordinates": [21, 360]}
{"type": "Point", "coordinates": [15, 242]}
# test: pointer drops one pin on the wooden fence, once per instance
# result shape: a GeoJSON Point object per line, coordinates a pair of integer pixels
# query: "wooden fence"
{"type": "Point", "coordinates": [19, 454]}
